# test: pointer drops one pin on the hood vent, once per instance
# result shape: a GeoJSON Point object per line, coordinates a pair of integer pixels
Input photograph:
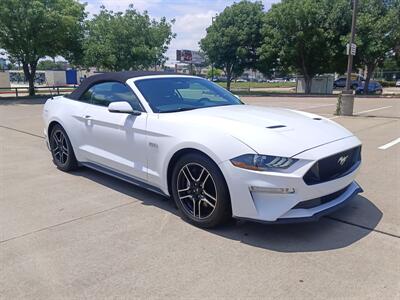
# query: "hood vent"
{"type": "Point", "coordinates": [276, 126]}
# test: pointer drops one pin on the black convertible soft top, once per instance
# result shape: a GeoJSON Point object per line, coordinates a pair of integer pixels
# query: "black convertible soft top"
{"type": "Point", "coordinates": [111, 76]}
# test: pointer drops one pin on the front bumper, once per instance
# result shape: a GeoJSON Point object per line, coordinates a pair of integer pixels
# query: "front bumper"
{"type": "Point", "coordinates": [267, 206]}
{"type": "Point", "coordinates": [298, 215]}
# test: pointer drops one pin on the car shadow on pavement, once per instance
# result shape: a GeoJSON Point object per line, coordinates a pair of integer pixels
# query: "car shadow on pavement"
{"type": "Point", "coordinates": [326, 234]}
{"type": "Point", "coordinates": [348, 225]}
{"type": "Point", "coordinates": [146, 197]}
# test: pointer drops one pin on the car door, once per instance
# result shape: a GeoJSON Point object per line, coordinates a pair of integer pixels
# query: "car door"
{"type": "Point", "coordinates": [116, 141]}
{"type": "Point", "coordinates": [76, 122]}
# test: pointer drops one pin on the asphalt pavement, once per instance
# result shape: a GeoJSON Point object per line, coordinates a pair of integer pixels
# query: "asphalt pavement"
{"type": "Point", "coordinates": [87, 235]}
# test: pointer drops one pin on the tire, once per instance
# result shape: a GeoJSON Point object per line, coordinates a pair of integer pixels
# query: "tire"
{"type": "Point", "coordinates": [203, 197]}
{"type": "Point", "coordinates": [61, 149]}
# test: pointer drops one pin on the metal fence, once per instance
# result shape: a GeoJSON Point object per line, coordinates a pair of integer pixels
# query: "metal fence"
{"type": "Point", "coordinates": [386, 75]}
{"type": "Point", "coordinates": [39, 90]}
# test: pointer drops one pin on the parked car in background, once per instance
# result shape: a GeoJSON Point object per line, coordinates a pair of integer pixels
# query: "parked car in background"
{"type": "Point", "coordinates": [221, 79]}
{"type": "Point", "coordinates": [277, 80]}
{"type": "Point", "coordinates": [241, 80]}
{"type": "Point", "coordinates": [398, 83]}
{"type": "Point", "coordinates": [374, 87]}
{"type": "Point", "coordinates": [341, 83]}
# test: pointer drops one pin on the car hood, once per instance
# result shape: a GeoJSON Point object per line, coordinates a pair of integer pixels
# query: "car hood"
{"type": "Point", "coordinates": [271, 131]}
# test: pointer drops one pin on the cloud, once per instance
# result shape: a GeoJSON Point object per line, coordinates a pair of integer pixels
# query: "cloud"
{"type": "Point", "coordinates": [190, 28]}
{"type": "Point", "coordinates": [192, 16]}
{"type": "Point", "coordinates": [92, 9]}
{"type": "Point", "coordinates": [120, 5]}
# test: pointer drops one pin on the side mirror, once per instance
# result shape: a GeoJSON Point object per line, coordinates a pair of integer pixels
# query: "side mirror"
{"type": "Point", "coordinates": [122, 107]}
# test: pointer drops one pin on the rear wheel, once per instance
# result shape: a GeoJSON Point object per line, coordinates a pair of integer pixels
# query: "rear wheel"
{"type": "Point", "coordinates": [61, 149]}
{"type": "Point", "coordinates": [200, 191]}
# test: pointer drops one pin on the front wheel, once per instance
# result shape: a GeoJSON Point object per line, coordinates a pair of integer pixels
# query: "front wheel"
{"type": "Point", "coordinates": [200, 191]}
{"type": "Point", "coordinates": [61, 149]}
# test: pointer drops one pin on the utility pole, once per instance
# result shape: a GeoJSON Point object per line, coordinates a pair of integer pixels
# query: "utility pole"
{"type": "Point", "coordinates": [346, 99]}
{"type": "Point", "coordinates": [352, 35]}
{"type": "Point", "coordinates": [212, 63]}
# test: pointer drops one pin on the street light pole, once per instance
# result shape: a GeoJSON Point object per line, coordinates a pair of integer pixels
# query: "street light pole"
{"type": "Point", "coordinates": [352, 35]}
{"type": "Point", "coordinates": [212, 63]}
{"type": "Point", "coordinates": [346, 99]}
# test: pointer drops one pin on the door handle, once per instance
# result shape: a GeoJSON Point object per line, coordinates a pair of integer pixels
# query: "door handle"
{"type": "Point", "coordinates": [87, 117]}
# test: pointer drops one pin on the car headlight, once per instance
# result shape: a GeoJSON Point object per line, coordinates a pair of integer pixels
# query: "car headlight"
{"type": "Point", "coordinates": [258, 162]}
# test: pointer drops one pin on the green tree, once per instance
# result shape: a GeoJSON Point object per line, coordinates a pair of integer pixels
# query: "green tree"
{"type": "Point", "coordinates": [11, 66]}
{"type": "Point", "coordinates": [126, 40]}
{"type": "Point", "coordinates": [50, 65]}
{"type": "Point", "coordinates": [304, 36]}
{"type": "Point", "coordinates": [378, 33]}
{"type": "Point", "coordinates": [217, 72]}
{"type": "Point", "coordinates": [232, 40]}
{"type": "Point", "coordinates": [391, 63]}
{"type": "Point", "coordinates": [33, 29]}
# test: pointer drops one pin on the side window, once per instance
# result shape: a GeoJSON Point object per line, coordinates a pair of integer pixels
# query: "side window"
{"type": "Point", "coordinates": [87, 96]}
{"type": "Point", "coordinates": [107, 92]}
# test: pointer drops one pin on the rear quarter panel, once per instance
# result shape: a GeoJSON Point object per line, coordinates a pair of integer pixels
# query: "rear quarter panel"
{"type": "Point", "coordinates": [69, 114]}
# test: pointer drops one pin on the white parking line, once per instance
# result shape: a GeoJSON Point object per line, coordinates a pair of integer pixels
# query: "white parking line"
{"type": "Point", "coordinates": [390, 144]}
{"type": "Point", "coordinates": [318, 106]}
{"type": "Point", "coordinates": [369, 110]}
{"type": "Point", "coordinates": [363, 112]}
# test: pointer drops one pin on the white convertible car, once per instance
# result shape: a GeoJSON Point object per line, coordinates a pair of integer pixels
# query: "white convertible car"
{"type": "Point", "coordinates": [186, 137]}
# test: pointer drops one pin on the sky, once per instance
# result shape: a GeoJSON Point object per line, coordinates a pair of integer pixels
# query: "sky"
{"type": "Point", "coordinates": [192, 17]}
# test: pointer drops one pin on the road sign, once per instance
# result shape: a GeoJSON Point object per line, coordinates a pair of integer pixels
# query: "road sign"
{"type": "Point", "coordinates": [189, 56]}
{"type": "Point", "coordinates": [352, 49]}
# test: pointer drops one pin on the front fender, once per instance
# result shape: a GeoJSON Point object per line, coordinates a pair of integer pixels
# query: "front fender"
{"type": "Point", "coordinates": [166, 139]}
{"type": "Point", "coordinates": [217, 154]}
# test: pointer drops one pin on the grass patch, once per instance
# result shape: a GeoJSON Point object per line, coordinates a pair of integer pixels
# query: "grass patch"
{"type": "Point", "coordinates": [262, 93]}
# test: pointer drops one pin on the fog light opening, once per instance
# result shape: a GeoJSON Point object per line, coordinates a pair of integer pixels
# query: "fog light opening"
{"type": "Point", "coordinates": [272, 190]}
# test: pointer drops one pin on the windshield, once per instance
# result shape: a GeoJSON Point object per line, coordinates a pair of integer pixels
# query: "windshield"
{"type": "Point", "coordinates": [183, 93]}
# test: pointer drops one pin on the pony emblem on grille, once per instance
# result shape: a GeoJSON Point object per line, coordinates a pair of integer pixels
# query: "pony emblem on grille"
{"type": "Point", "coordinates": [342, 160]}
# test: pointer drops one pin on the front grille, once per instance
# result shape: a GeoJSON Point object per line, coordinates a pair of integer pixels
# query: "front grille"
{"type": "Point", "coordinates": [334, 166]}
{"type": "Point", "coordinates": [321, 200]}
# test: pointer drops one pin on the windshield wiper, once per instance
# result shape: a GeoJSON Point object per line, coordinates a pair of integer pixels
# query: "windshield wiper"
{"type": "Point", "coordinates": [179, 109]}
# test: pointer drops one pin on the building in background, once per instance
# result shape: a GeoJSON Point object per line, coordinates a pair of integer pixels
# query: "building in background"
{"type": "Point", "coordinates": [322, 84]}
{"type": "Point", "coordinates": [4, 80]}
{"type": "Point", "coordinates": [42, 78]}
